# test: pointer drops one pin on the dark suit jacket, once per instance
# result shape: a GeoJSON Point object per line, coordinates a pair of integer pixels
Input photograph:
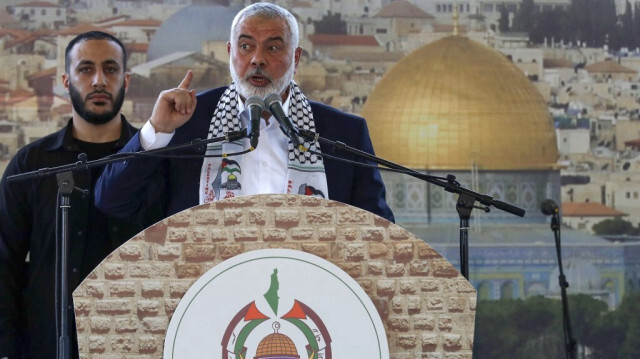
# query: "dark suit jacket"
{"type": "Point", "coordinates": [125, 188]}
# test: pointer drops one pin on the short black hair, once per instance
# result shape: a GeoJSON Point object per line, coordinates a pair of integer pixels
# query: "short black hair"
{"type": "Point", "coordinates": [93, 35]}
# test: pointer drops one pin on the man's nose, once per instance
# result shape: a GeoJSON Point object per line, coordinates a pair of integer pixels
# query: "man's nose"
{"type": "Point", "coordinates": [99, 80]}
{"type": "Point", "coordinates": [258, 58]}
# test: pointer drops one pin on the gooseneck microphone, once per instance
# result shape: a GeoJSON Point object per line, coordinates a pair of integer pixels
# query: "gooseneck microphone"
{"type": "Point", "coordinates": [548, 207]}
{"type": "Point", "coordinates": [255, 104]}
{"type": "Point", "coordinates": [274, 103]}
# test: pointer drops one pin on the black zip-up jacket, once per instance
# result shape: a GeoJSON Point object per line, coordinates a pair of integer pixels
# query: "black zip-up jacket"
{"type": "Point", "coordinates": [28, 226]}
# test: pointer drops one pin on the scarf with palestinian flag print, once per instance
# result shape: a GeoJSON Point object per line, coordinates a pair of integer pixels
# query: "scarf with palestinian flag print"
{"type": "Point", "coordinates": [221, 177]}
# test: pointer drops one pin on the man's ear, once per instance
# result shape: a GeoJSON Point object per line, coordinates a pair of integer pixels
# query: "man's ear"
{"type": "Point", "coordinates": [127, 80]}
{"type": "Point", "coordinates": [65, 81]}
{"type": "Point", "coordinates": [296, 56]}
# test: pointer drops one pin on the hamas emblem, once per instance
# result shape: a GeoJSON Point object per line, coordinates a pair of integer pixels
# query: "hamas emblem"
{"type": "Point", "coordinates": [277, 345]}
{"type": "Point", "coordinates": [275, 304]}
{"type": "Point", "coordinates": [230, 167]}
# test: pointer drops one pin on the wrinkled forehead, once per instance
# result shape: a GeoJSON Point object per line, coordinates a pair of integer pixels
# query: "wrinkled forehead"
{"type": "Point", "coordinates": [257, 26]}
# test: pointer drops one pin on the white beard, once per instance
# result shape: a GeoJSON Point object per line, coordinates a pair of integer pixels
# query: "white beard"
{"type": "Point", "coordinates": [246, 90]}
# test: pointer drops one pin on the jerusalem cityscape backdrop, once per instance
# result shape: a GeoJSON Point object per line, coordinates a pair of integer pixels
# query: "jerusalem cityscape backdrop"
{"type": "Point", "coordinates": [469, 88]}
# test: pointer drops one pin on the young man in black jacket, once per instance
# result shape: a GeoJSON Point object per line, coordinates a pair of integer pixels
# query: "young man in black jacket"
{"type": "Point", "coordinates": [96, 79]}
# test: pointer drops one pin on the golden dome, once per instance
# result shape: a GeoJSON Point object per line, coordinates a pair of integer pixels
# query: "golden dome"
{"type": "Point", "coordinates": [276, 345]}
{"type": "Point", "coordinates": [456, 102]}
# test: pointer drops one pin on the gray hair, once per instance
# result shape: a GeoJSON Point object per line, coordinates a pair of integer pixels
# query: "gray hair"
{"type": "Point", "coordinates": [267, 11]}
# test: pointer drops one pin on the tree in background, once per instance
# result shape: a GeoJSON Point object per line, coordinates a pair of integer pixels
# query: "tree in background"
{"type": "Point", "coordinates": [629, 309]}
{"type": "Point", "coordinates": [495, 332]}
{"type": "Point", "coordinates": [532, 328]}
{"type": "Point", "coordinates": [550, 24]}
{"type": "Point", "coordinates": [636, 25]}
{"type": "Point", "coordinates": [593, 22]}
{"type": "Point", "coordinates": [606, 30]}
{"type": "Point", "coordinates": [627, 26]}
{"type": "Point", "coordinates": [616, 226]}
{"type": "Point", "coordinates": [615, 335]}
{"type": "Point", "coordinates": [537, 324]}
{"type": "Point", "coordinates": [585, 313]}
{"type": "Point", "coordinates": [524, 19]}
{"type": "Point", "coordinates": [580, 20]}
{"type": "Point", "coordinates": [510, 328]}
{"type": "Point", "coordinates": [503, 21]}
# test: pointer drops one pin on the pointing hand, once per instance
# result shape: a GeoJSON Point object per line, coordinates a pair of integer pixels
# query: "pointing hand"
{"type": "Point", "coordinates": [174, 107]}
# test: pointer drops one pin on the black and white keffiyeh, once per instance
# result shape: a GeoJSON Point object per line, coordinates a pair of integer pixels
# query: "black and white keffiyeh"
{"type": "Point", "coordinates": [221, 177]}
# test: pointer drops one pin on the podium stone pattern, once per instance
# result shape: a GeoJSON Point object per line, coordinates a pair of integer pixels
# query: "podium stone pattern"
{"type": "Point", "coordinates": [124, 306]}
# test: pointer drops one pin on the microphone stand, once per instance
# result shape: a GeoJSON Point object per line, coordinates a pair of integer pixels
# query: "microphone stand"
{"type": "Point", "coordinates": [466, 198]}
{"type": "Point", "coordinates": [65, 181]}
{"type": "Point", "coordinates": [65, 188]}
{"type": "Point", "coordinates": [569, 341]}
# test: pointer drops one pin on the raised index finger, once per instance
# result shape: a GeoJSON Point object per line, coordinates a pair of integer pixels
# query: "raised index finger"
{"type": "Point", "coordinates": [186, 81]}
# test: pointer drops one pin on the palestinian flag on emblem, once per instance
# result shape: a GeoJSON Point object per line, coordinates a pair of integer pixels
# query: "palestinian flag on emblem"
{"type": "Point", "coordinates": [229, 166]}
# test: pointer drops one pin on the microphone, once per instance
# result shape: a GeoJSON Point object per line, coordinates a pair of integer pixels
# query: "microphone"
{"type": "Point", "coordinates": [255, 106]}
{"type": "Point", "coordinates": [549, 207]}
{"type": "Point", "coordinates": [274, 104]}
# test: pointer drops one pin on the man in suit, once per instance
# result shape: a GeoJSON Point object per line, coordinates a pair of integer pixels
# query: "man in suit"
{"type": "Point", "coordinates": [264, 56]}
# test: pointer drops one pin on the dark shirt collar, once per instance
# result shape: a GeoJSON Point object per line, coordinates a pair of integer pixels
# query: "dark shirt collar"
{"type": "Point", "coordinates": [65, 138]}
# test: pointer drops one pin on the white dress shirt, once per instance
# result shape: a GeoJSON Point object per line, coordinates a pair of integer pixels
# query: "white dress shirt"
{"type": "Point", "coordinates": [265, 168]}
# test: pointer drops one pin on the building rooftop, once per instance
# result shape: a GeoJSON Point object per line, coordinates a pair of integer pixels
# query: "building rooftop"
{"type": "Point", "coordinates": [111, 20]}
{"type": "Point", "coordinates": [14, 33]}
{"type": "Point", "coordinates": [145, 69]}
{"type": "Point", "coordinates": [15, 96]}
{"type": "Point", "coordinates": [137, 47]}
{"type": "Point", "coordinates": [136, 23]}
{"type": "Point", "coordinates": [37, 4]}
{"type": "Point", "coordinates": [82, 28]}
{"type": "Point", "coordinates": [609, 67]}
{"type": "Point", "coordinates": [300, 4]}
{"type": "Point", "coordinates": [448, 28]}
{"type": "Point", "coordinates": [7, 20]}
{"type": "Point", "coordinates": [503, 235]}
{"type": "Point", "coordinates": [52, 71]}
{"type": "Point", "coordinates": [589, 209]}
{"type": "Point", "coordinates": [368, 56]}
{"type": "Point", "coordinates": [343, 40]}
{"type": "Point", "coordinates": [633, 143]}
{"type": "Point", "coordinates": [202, 23]}
{"type": "Point", "coordinates": [403, 9]}
{"type": "Point", "coordinates": [549, 63]}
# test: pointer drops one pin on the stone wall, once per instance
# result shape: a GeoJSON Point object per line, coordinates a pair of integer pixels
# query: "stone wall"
{"type": "Point", "coordinates": [123, 308]}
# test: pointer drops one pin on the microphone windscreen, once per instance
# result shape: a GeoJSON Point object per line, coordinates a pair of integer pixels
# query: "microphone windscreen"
{"type": "Point", "coordinates": [254, 100]}
{"type": "Point", "coordinates": [548, 207]}
{"type": "Point", "coordinates": [271, 98]}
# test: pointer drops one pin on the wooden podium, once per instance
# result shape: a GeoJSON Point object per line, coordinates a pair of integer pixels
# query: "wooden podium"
{"type": "Point", "coordinates": [123, 308]}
